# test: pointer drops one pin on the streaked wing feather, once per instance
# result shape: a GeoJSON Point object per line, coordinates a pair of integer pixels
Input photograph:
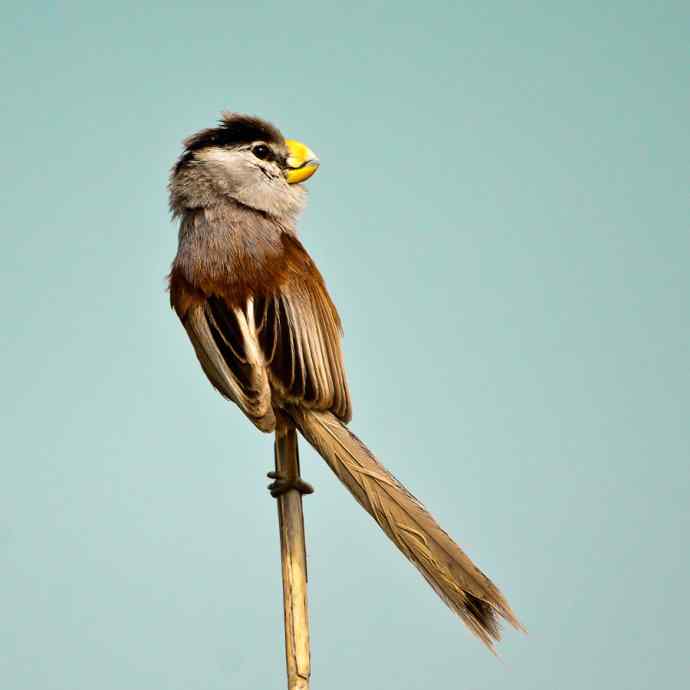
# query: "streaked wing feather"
{"type": "Point", "coordinates": [285, 320]}
{"type": "Point", "coordinates": [222, 340]}
{"type": "Point", "coordinates": [315, 374]}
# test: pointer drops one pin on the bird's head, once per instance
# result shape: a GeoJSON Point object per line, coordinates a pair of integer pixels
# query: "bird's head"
{"type": "Point", "coordinates": [244, 159]}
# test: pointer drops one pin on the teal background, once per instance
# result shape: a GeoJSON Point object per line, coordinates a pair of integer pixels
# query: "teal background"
{"type": "Point", "coordinates": [502, 218]}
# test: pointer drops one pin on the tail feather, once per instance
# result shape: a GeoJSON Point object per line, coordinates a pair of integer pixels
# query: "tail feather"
{"type": "Point", "coordinates": [451, 573]}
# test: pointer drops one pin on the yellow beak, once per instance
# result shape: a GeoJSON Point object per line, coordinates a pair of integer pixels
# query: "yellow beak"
{"type": "Point", "coordinates": [302, 162]}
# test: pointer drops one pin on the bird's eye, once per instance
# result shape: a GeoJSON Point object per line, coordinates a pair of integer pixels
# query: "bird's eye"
{"type": "Point", "coordinates": [262, 151]}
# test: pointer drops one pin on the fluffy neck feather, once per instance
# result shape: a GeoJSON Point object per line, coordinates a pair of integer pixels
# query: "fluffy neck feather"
{"type": "Point", "coordinates": [231, 249]}
{"type": "Point", "coordinates": [206, 184]}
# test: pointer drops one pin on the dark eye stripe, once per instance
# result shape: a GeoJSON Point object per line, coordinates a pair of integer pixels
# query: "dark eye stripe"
{"type": "Point", "coordinates": [262, 152]}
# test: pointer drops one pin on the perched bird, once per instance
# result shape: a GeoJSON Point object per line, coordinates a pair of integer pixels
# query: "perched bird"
{"type": "Point", "coordinates": [267, 335]}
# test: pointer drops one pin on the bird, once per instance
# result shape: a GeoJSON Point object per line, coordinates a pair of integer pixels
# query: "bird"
{"type": "Point", "coordinates": [268, 337]}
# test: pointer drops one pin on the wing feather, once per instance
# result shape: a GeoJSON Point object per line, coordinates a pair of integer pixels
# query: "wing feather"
{"type": "Point", "coordinates": [315, 376]}
{"type": "Point", "coordinates": [238, 373]}
{"type": "Point", "coordinates": [278, 344]}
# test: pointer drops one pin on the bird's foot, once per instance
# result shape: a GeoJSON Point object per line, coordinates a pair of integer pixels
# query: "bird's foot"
{"type": "Point", "coordinates": [281, 484]}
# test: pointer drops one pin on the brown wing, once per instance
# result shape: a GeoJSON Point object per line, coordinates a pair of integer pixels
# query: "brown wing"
{"type": "Point", "coordinates": [299, 333]}
{"type": "Point", "coordinates": [225, 343]}
{"type": "Point", "coordinates": [277, 342]}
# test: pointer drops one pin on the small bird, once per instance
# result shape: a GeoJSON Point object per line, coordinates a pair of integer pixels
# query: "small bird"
{"type": "Point", "coordinates": [267, 336]}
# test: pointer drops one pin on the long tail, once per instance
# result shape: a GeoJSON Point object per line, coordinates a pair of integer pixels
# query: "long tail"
{"type": "Point", "coordinates": [464, 588]}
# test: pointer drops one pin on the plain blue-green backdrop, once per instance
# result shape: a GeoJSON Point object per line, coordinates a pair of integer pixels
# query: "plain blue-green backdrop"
{"type": "Point", "coordinates": [502, 218]}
